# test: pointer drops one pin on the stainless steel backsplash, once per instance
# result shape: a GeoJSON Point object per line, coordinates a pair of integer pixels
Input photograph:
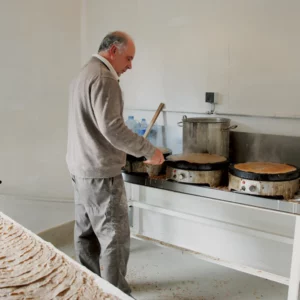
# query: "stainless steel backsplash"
{"type": "Point", "coordinates": [246, 146]}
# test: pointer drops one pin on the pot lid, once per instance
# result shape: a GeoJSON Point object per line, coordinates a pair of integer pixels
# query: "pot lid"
{"type": "Point", "coordinates": [206, 120]}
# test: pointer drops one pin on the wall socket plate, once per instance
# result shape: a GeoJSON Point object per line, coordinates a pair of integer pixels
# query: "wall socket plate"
{"type": "Point", "coordinates": [210, 97]}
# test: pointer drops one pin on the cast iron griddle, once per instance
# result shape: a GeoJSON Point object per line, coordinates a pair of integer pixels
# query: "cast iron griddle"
{"type": "Point", "coordinates": [264, 176]}
{"type": "Point", "coordinates": [193, 166]}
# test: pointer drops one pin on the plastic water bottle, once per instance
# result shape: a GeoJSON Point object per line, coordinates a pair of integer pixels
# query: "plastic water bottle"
{"type": "Point", "coordinates": [153, 135]}
{"type": "Point", "coordinates": [137, 127]}
{"type": "Point", "coordinates": [131, 123]}
{"type": "Point", "coordinates": [143, 127]}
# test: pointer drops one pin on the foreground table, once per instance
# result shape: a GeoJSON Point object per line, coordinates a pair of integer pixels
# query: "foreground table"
{"type": "Point", "coordinates": [31, 268]}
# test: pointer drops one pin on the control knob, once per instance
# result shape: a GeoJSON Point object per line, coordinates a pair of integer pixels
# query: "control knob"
{"type": "Point", "coordinates": [181, 176]}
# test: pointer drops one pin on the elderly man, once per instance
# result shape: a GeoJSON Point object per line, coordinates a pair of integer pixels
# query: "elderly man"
{"type": "Point", "coordinates": [98, 141]}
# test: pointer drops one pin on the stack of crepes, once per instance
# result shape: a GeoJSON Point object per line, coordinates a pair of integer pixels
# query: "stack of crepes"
{"type": "Point", "coordinates": [33, 269]}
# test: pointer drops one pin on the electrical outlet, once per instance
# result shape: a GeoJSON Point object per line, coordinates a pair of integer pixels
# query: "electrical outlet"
{"type": "Point", "coordinates": [210, 97]}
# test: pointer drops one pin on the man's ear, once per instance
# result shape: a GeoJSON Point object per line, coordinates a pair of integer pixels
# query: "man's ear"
{"type": "Point", "coordinates": [112, 51]}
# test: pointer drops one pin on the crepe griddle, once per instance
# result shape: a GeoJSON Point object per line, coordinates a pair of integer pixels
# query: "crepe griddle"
{"type": "Point", "coordinates": [192, 166]}
{"type": "Point", "coordinates": [264, 176]}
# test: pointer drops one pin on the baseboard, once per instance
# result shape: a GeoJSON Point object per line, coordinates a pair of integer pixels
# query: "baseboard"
{"type": "Point", "coordinates": [13, 197]}
{"type": "Point", "coordinates": [37, 213]}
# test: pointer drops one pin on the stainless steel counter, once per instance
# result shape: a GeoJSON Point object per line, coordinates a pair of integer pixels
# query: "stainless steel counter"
{"type": "Point", "coordinates": [235, 230]}
{"type": "Point", "coordinates": [290, 207]}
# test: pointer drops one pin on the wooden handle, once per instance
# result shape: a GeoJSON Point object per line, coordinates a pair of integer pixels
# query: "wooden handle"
{"type": "Point", "coordinates": [160, 107]}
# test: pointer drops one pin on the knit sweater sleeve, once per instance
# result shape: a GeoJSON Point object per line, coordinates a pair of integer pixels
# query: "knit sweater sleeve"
{"type": "Point", "coordinates": [107, 104]}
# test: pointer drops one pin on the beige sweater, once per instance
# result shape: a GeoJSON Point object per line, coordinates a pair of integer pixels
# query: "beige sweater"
{"type": "Point", "coordinates": [97, 135]}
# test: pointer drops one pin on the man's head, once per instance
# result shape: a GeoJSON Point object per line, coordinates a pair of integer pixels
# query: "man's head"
{"type": "Point", "coordinates": [118, 48]}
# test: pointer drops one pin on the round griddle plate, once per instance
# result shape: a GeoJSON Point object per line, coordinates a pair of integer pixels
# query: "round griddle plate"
{"type": "Point", "coordinates": [265, 177]}
{"type": "Point", "coordinates": [185, 165]}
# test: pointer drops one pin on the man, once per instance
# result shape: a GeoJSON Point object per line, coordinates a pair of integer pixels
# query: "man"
{"type": "Point", "coordinates": [97, 142]}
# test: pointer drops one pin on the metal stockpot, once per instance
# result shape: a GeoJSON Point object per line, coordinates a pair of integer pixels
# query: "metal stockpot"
{"type": "Point", "coordinates": [206, 135]}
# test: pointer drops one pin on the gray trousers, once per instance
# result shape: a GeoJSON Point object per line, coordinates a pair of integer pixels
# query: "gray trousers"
{"type": "Point", "coordinates": [102, 236]}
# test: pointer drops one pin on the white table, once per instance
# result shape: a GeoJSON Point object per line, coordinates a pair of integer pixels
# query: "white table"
{"type": "Point", "coordinates": [103, 284]}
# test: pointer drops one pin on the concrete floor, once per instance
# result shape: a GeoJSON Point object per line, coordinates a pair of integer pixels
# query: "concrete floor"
{"type": "Point", "coordinates": [162, 273]}
{"type": "Point", "coordinates": [155, 272]}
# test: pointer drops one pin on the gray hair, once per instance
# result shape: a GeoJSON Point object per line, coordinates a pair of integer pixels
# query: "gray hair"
{"type": "Point", "coordinates": [117, 38]}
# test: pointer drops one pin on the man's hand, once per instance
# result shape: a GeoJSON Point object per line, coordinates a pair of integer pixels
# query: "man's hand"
{"type": "Point", "coordinates": [156, 159]}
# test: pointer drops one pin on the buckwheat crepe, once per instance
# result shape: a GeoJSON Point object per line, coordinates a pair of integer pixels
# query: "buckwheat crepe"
{"type": "Point", "coordinates": [198, 158]}
{"type": "Point", "coordinates": [265, 168]}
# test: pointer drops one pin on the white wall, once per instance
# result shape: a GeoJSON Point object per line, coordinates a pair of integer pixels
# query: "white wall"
{"type": "Point", "coordinates": [37, 213]}
{"type": "Point", "coordinates": [246, 51]}
{"type": "Point", "coordinates": [39, 55]}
